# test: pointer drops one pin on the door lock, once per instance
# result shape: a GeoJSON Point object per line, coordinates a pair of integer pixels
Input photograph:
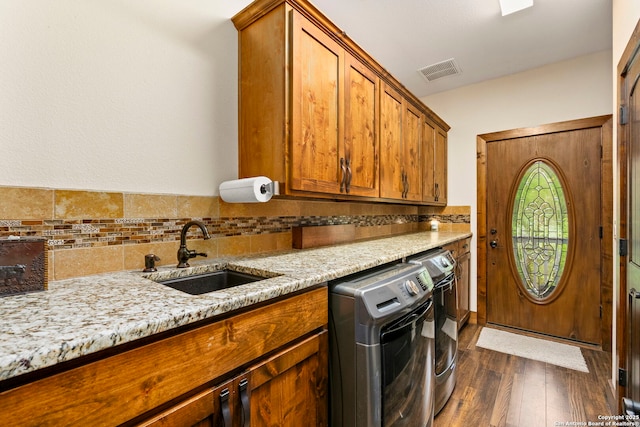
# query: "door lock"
{"type": "Point", "coordinates": [493, 244]}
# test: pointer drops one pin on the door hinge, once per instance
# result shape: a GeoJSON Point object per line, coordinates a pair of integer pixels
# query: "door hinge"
{"type": "Point", "coordinates": [601, 232]}
{"type": "Point", "coordinates": [623, 250]}
{"type": "Point", "coordinates": [622, 377]}
{"type": "Point", "coordinates": [624, 115]}
{"type": "Point", "coordinates": [601, 312]}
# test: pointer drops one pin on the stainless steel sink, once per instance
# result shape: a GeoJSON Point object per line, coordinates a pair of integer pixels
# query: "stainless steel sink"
{"type": "Point", "coordinates": [209, 282]}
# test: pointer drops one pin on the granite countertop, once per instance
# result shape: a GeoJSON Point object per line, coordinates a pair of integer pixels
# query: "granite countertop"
{"type": "Point", "coordinates": [80, 316]}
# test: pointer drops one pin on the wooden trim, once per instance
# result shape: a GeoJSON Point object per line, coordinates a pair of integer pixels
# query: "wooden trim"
{"type": "Point", "coordinates": [606, 254]}
{"type": "Point", "coordinates": [481, 236]}
{"type": "Point", "coordinates": [313, 237]}
{"type": "Point", "coordinates": [607, 236]}
{"type": "Point", "coordinates": [629, 54]}
{"type": "Point", "coordinates": [473, 318]}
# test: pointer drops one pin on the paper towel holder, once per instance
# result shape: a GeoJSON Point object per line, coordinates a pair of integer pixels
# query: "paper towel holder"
{"type": "Point", "coordinates": [249, 190]}
{"type": "Point", "coordinates": [273, 187]}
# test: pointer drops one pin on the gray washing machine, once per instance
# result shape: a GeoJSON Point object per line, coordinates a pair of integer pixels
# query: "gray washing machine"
{"type": "Point", "coordinates": [381, 326]}
{"type": "Point", "coordinates": [441, 267]}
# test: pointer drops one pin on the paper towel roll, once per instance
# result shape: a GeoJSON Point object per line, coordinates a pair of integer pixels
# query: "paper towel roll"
{"type": "Point", "coordinates": [247, 190]}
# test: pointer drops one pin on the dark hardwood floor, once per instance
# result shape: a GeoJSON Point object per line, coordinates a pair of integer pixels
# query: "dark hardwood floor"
{"type": "Point", "coordinates": [497, 389]}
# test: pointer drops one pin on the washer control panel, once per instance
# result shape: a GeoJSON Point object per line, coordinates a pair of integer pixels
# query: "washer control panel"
{"type": "Point", "coordinates": [411, 287]}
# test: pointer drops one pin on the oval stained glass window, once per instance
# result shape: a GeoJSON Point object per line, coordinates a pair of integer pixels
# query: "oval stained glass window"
{"type": "Point", "coordinates": [540, 230]}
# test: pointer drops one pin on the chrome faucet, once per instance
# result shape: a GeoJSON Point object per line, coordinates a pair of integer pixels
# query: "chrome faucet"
{"type": "Point", "coordinates": [185, 254]}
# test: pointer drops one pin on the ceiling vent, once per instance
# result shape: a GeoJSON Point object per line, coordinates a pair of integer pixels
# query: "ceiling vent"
{"type": "Point", "coordinates": [439, 70]}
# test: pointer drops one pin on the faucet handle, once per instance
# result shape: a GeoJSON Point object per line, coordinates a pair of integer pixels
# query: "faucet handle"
{"type": "Point", "coordinates": [193, 254]}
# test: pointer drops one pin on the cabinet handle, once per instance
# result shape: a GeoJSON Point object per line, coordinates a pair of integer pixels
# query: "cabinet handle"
{"type": "Point", "coordinates": [343, 180]}
{"type": "Point", "coordinates": [244, 400]}
{"type": "Point", "coordinates": [405, 185]}
{"type": "Point", "coordinates": [406, 181]}
{"type": "Point", "coordinates": [437, 191]}
{"type": "Point", "coordinates": [224, 406]}
{"type": "Point", "coordinates": [348, 184]}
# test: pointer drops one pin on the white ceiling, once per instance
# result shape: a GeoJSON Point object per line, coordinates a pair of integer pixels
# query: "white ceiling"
{"type": "Point", "coordinates": [406, 35]}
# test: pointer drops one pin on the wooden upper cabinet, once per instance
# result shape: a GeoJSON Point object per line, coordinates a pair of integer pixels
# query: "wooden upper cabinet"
{"type": "Point", "coordinates": [313, 107]}
{"type": "Point", "coordinates": [441, 166]}
{"type": "Point", "coordinates": [434, 161]}
{"type": "Point", "coordinates": [316, 109]}
{"type": "Point", "coordinates": [391, 168]}
{"type": "Point", "coordinates": [400, 139]}
{"type": "Point", "coordinates": [412, 140]}
{"type": "Point", "coordinates": [361, 144]}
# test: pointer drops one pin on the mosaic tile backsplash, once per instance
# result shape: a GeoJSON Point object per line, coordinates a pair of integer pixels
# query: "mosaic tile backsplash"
{"type": "Point", "coordinates": [94, 232]}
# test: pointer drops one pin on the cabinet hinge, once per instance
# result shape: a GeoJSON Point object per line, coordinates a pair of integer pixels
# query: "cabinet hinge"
{"type": "Point", "coordinates": [622, 377]}
{"type": "Point", "coordinates": [623, 247]}
{"type": "Point", "coordinates": [624, 115]}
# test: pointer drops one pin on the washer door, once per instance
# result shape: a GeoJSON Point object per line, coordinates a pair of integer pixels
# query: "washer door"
{"type": "Point", "coordinates": [408, 369]}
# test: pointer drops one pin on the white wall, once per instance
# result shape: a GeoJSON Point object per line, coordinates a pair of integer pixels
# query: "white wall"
{"type": "Point", "coordinates": [573, 89]}
{"type": "Point", "coordinates": [119, 95]}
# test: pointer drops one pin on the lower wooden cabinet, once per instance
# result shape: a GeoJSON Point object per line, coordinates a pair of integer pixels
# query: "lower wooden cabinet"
{"type": "Point", "coordinates": [266, 366]}
{"type": "Point", "coordinates": [280, 390]}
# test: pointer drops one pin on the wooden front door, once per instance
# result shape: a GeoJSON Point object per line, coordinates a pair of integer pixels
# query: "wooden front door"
{"type": "Point", "coordinates": [543, 225]}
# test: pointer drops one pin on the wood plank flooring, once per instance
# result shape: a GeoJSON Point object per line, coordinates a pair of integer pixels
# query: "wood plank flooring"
{"type": "Point", "coordinates": [496, 389]}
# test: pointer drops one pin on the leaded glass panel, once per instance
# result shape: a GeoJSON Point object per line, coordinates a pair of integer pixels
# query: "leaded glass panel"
{"type": "Point", "coordinates": [540, 229]}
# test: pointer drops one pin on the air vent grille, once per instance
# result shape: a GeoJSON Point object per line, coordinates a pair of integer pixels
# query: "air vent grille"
{"type": "Point", "coordinates": [439, 70]}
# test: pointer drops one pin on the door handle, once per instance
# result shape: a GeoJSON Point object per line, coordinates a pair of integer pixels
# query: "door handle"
{"type": "Point", "coordinates": [494, 244]}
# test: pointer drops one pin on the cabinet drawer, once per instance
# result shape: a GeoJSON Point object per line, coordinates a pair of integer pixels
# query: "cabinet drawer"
{"type": "Point", "coordinates": [464, 246]}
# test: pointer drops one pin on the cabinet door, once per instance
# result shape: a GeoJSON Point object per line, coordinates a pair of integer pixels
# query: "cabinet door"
{"type": "Point", "coordinates": [198, 410]}
{"type": "Point", "coordinates": [392, 173]}
{"type": "Point", "coordinates": [361, 146]}
{"type": "Point", "coordinates": [440, 167]}
{"type": "Point", "coordinates": [400, 139]}
{"type": "Point", "coordinates": [290, 388]}
{"type": "Point", "coordinates": [411, 141]}
{"type": "Point", "coordinates": [316, 109]}
{"type": "Point", "coordinates": [428, 162]}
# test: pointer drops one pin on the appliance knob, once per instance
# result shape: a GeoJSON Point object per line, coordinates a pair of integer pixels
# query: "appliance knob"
{"type": "Point", "coordinates": [411, 287]}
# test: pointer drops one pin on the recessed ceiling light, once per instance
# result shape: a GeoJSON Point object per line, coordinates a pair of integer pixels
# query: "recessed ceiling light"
{"type": "Point", "coordinates": [511, 6]}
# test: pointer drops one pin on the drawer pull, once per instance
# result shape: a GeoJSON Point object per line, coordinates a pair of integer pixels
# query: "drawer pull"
{"type": "Point", "coordinates": [225, 408]}
{"type": "Point", "coordinates": [244, 401]}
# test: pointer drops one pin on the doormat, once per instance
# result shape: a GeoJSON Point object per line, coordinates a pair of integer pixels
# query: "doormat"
{"type": "Point", "coordinates": [565, 355]}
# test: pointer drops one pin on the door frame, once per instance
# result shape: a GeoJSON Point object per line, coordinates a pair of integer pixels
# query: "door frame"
{"type": "Point", "coordinates": [630, 53]}
{"type": "Point", "coordinates": [606, 197]}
